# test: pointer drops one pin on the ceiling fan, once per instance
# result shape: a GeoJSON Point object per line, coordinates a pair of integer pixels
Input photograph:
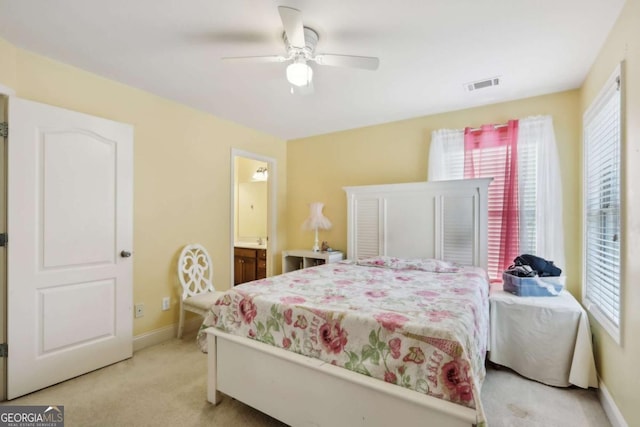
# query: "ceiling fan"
{"type": "Point", "coordinates": [300, 44]}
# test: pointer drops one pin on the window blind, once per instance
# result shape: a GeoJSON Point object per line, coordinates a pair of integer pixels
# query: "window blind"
{"type": "Point", "coordinates": [602, 140]}
{"type": "Point", "coordinates": [527, 191]}
{"type": "Point", "coordinates": [490, 162]}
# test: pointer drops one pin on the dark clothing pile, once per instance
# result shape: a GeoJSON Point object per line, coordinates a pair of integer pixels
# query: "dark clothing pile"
{"type": "Point", "coordinates": [527, 265]}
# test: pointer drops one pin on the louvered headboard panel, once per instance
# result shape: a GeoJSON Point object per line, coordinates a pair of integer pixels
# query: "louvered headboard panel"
{"type": "Point", "coordinates": [438, 219]}
{"type": "Point", "coordinates": [367, 223]}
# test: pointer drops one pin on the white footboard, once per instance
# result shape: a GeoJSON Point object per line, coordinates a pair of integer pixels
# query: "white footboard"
{"type": "Point", "coordinates": [302, 391]}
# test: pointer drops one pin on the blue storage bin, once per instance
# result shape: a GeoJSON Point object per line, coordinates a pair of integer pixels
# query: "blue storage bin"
{"type": "Point", "coordinates": [533, 286]}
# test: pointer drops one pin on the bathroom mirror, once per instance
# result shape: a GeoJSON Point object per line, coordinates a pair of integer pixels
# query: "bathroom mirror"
{"type": "Point", "coordinates": [252, 210]}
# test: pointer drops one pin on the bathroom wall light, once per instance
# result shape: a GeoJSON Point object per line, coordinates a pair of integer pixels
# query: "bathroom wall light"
{"type": "Point", "coordinates": [260, 175]}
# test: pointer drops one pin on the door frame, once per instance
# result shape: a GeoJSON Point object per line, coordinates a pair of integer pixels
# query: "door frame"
{"type": "Point", "coordinates": [271, 207]}
{"type": "Point", "coordinates": [6, 92]}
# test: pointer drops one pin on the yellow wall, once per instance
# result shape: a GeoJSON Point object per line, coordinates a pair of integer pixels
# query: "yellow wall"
{"type": "Point", "coordinates": [619, 366]}
{"type": "Point", "coordinates": [182, 168]}
{"type": "Point", "coordinates": [318, 167]}
{"type": "Point", "coordinates": [7, 64]}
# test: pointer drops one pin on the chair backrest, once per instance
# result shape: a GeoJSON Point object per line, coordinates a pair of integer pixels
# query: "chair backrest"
{"type": "Point", "coordinates": [195, 271]}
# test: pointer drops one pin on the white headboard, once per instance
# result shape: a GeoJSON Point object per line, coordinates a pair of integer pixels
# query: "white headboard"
{"type": "Point", "coordinates": [434, 219]}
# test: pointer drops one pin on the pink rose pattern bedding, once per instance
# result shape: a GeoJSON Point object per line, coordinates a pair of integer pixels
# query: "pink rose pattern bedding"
{"type": "Point", "coordinates": [422, 330]}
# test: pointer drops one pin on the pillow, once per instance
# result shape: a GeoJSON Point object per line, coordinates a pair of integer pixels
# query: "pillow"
{"type": "Point", "coordinates": [421, 264]}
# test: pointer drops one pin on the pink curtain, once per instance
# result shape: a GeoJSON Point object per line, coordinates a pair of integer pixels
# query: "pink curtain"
{"type": "Point", "coordinates": [491, 151]}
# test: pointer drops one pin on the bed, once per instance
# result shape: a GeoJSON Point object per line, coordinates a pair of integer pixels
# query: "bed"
{"type": "Point", "coordinates": [392, 334]}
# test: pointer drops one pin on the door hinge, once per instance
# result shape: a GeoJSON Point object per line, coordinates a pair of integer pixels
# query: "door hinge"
{"type": "Point", "coordinates": [4, 238]}
{"type": "Point", "coordinates": [4, 130]}
{"type": "Point", "coordinates": [4, 350]}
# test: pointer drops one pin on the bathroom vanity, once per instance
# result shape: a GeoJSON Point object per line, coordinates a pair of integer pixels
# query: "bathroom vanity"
{"type": "Point", "coordinates": [250, 263]}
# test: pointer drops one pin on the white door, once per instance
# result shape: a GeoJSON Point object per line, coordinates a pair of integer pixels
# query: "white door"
{"type": "Point", "coordinates": [70, 225]}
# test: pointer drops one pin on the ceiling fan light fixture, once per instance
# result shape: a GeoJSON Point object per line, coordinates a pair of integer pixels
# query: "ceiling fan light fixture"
{"type": "Point", "coordinates": [300, 46]}
{"type": "Point", "coordinates": [299, 73]}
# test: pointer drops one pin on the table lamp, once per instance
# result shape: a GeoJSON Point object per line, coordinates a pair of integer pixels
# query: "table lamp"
{"type": "Point", "coordinates": [316, 221]}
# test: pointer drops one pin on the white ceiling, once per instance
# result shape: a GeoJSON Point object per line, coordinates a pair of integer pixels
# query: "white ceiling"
{"type": "Point", "coordinates": [427, 48]}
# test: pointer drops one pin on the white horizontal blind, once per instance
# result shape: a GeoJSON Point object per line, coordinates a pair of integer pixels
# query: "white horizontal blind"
{"type": "Point", "coordinates": [490, 162]}
{"type": "Point", "coordinates": [528, 190]}
{"type": "Point", "coordinates": [455, 163]}
{"type": "Point", "coordinates": [602, 139]}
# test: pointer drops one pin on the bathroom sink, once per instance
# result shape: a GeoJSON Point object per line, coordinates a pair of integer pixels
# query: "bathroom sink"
{"type": "Point", "coordinates": [250, 245]}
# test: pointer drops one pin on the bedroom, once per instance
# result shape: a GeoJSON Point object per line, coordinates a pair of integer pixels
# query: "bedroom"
{"type": "Point", "coordinates": [161, 175]}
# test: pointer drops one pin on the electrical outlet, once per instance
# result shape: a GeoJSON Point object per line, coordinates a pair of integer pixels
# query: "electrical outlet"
{"type": "Point", "coordinates": [166, 302]}
{"type": "Point", "coordinates": [139, 312]}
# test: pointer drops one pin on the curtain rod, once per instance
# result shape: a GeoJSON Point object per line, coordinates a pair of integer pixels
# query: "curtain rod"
{"type": "Point", "coordinates": [494, 126]}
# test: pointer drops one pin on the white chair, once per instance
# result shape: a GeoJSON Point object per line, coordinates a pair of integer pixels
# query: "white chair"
{"type": "Point", "coordinates": [195, 272]}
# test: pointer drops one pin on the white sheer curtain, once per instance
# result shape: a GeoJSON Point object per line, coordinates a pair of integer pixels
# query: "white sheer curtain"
{"type": "Point", "coordinates": [539, 182]}
{"type": "Point", "coordinates": [446, 155]}
{"type": "Point", "coordinates": [538, 131]}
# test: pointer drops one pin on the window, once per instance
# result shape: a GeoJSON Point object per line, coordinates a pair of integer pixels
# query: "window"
{"type": "Point", "coordinates": [601, 182]}
{"type": "Point", "coordinates": [492, 164]}
{"type": "Point", "coordinates": [539, 187]}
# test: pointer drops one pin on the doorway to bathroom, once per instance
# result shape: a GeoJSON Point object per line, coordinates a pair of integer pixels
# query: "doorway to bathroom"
{"type": "Point", "coordinates": [253, 216]}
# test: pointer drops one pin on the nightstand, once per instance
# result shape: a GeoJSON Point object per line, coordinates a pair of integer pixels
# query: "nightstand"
{"type": "Point", "coordinates": [297, 259]}
{"type": "Point", "coordinates": [546, 339]}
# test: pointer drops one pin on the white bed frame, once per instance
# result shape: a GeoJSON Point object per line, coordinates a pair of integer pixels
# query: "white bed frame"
{"type": "Point", "coordinates": [445, 219]}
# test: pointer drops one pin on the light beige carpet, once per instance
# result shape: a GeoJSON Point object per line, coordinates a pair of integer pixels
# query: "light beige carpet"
{"type": "Point", "coordinates": [165, 385]}
{"type": "Point", "coordinates": [510, 400]}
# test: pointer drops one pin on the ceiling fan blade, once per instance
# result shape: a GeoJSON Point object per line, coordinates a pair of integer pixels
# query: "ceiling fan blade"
{"type": "Point", "coordinates": [364, 62]}
{"type": "Point", "coordinates": [255, 59]}
{"type": "Point", "coordinates": [292, 23]}
{"type": "Point", "coordinates": [244, 37]}
{"type": "Point", "coordinates": [303, 90]}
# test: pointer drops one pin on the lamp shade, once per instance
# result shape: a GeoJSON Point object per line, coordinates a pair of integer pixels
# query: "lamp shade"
{"type": "Point", "coordinates": [316, 219]}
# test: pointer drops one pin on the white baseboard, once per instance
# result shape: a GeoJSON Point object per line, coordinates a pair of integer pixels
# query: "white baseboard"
{"type": "Point", "coordinates": [160, 335]}
{"type": "Point", "coordinates": [613, 413]}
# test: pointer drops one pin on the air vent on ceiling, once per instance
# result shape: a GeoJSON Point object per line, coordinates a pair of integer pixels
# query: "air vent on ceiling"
{"type": "Point", "coordinates": [482, 84]}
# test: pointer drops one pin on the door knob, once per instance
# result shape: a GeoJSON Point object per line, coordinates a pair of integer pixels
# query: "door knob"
{"type": "Point", "coordinates": [125, 254]}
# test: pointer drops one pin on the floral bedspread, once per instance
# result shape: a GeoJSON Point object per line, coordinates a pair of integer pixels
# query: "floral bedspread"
{"type": "Point", "coordinates": [423, 330]}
